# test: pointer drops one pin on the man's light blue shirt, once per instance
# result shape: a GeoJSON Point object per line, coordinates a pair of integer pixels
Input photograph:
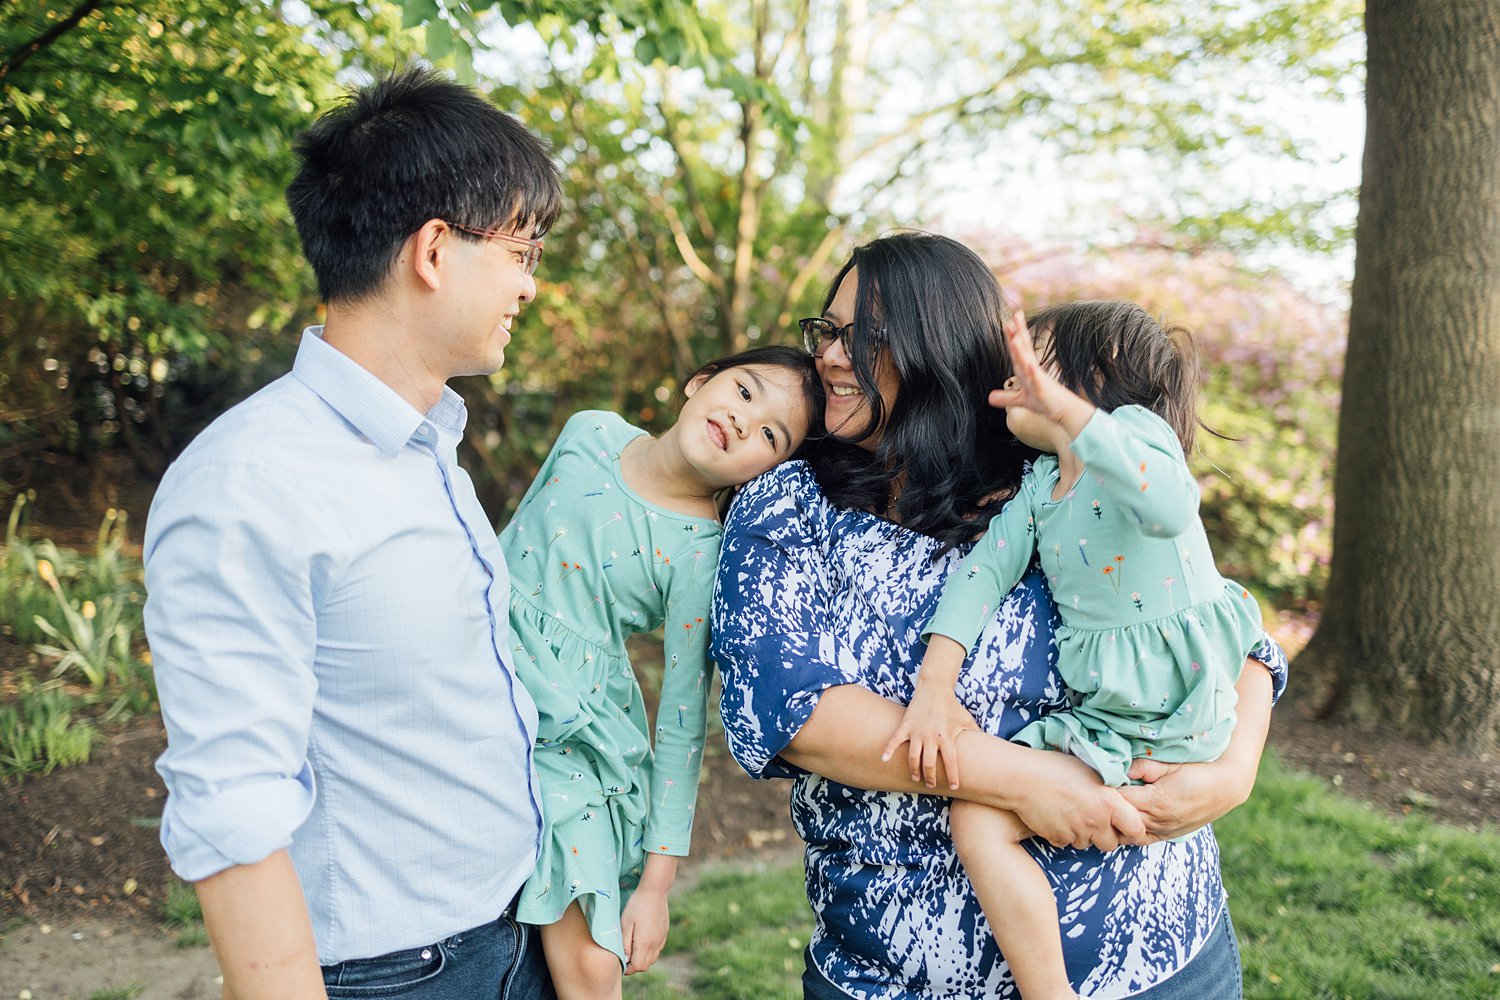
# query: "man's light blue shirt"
{"type": "Point", "coordinates": [327, 615]}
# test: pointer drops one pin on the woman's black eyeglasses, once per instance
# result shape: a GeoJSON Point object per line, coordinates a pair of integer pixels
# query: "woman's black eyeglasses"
{"type": "Point", "coordinates": [818, 333]}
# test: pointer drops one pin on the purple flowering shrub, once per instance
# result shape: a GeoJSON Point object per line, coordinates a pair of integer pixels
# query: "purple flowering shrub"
{"type": "Point", "coordinates": [1273, 361]}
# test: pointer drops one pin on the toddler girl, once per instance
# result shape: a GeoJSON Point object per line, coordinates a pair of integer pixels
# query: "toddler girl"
{"type": "Point", "coordinates": [618, 534]}
{"type": "Point", "coordinates": [1152, 639]}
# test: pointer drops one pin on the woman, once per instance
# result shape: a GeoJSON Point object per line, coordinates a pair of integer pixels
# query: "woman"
{"type": "Point", "coordinates": [828, 573]}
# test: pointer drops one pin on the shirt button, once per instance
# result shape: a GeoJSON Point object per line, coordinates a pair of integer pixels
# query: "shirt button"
{"type": "Point", "coordinates": [425, 431]}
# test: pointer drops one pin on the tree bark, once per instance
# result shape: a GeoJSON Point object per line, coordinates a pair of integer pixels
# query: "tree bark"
{"type": "Point", "coordinates": [1411, 634]}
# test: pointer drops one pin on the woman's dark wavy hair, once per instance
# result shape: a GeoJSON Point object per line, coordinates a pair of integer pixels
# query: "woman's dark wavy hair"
{"type": "Point", "coordinates": [792, 359]}
{"type": "Point", "coordinates": [409, 148]}
{"type": "Point", "coordinates": [940, 316]}
{"type": "Point", "coordinates": [1115, 354]}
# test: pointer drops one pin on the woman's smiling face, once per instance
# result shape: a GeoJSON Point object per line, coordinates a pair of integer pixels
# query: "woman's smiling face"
{"type": "Point", "coordinates": [847, 410]}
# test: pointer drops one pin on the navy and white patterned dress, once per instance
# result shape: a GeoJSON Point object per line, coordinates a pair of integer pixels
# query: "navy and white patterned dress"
{"type": "Point", "coordinates": [809, 596]}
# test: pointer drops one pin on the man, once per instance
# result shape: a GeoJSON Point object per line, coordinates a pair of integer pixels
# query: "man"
{"type": "Point", "coordinates": [349, 754]}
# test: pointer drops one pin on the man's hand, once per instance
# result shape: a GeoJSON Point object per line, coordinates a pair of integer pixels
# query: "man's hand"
{"type": "Point", "coordinates": [257, 922]}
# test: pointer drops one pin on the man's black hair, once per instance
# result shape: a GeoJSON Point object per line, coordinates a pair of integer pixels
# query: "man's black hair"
{"type": "Point", "coordinates": [409, 148]}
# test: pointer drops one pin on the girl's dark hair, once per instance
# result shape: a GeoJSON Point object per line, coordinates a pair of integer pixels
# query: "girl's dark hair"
{"type": "Point", "coordinates": [937, 311]}
{"type": "Point", "coordinates": [1115, 354]}
{"type": "Point", "coordinates": [409, 148]}
{"type": "Point", "coordinates": [792, 359]}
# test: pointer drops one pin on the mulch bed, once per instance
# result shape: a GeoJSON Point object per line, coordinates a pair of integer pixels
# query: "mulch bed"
{"type": "Point", "coordinates": [84, 839]}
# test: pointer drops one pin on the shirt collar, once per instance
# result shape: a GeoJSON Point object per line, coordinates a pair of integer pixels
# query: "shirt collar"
{"type": "Point", "coordinates": [374, 409]}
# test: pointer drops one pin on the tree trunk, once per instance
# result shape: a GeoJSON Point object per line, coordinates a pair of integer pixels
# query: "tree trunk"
{"type": "Point", "coordinates": [1411, 636]}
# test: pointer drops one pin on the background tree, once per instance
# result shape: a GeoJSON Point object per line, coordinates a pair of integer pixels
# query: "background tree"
{"type": "Point", "coordinates": [704, 211]}
{"type": "Point", "coordinates": [1412, 627]}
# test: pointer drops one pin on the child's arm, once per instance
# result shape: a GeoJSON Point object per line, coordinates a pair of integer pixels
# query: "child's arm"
{"type": "Point", "coordinates": [973, 590]}
{"type": "Point", "coordinates": [1136, 459]}
{"type": "Point", "coordinates": [682, 713]}
{"type": "Point", "coordinates": [1132, 453]}
{"type": "Point", "coordinates": [935, 716]}
{"type": "Point", "coordinates": [644, 922]}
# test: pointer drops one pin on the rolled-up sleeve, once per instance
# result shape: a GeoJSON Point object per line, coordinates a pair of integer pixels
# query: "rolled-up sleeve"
{"type": "Point", "coordinates": [772, 635]}
{"type": "Point", "coordinates": [1269, 652]}
{"type": "Point", "coordinates": [230, 620]}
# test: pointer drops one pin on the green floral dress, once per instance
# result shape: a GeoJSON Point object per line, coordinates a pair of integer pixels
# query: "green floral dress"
{"type": "Point", "coordinates": [1152, 639]}
{"type": "Point", "coordinates": [590, 564]}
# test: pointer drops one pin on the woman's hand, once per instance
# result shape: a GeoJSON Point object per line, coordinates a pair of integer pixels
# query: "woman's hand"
{"type": "Point", "coordinates": [932, 724]}
{"type": "Point", "coordinates": [1179, 798]}
{"type": "Point", "coordinates": [1064, 802]}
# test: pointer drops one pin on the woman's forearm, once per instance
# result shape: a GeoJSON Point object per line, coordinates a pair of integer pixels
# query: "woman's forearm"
{"type": "Point", "coordinates": [847, 731]}
{"type": "Point", "coordinates": [1056, 795]}
{"type": "Point", "coordinates": [1252, 724]}
{"type": "Point", "coordinates": [1179, 798]}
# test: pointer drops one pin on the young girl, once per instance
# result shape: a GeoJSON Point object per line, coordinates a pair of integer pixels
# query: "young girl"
{"type": "Point", "coordinates": [1152, 639]}
{"type": "Point", "coordinates": [619, 534]}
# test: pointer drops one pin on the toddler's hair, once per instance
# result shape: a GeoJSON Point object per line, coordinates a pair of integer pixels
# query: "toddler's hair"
{"type": "Point", "coordinates": [792, 359]}
{"type": "Point", "coordinates": [1115, 354]}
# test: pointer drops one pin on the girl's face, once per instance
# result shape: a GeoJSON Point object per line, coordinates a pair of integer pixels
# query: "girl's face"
{"type": "Point", "coordinates": [740, 422]}
{"type": "Point", "coordinates": [846, 407]}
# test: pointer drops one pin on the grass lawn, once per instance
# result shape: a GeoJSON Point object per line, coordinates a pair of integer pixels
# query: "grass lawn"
{"type": "Point", "coordinates": [1330, 899]}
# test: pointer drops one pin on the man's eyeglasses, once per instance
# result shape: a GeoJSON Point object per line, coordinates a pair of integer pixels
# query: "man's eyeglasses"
{"type": "Point", "coordinates": [533, 247]}
{"type": "Point", "coordinates": [818, 333]}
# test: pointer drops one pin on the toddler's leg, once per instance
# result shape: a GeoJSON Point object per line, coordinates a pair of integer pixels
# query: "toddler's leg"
{"type": "Point", "coordinates": [1016, 898]}
{"type": "Point", "coordinates": [581, 969]}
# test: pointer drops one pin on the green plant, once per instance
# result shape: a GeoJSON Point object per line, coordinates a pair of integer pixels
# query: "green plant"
{"type": "Point", "coordinates": [181, 912]}
{"type": "Point", "coordinates": [39, 733]}
{"type": "Point", "coordinates": [117, 993]}
{"type": "Point", "coordinates": [95, 641]}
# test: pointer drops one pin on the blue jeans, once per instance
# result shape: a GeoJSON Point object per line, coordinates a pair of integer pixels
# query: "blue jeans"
{"type": "Point", "coordinates": [500, 960]}
{"type": "Point", "coordinates": [1213, 974]}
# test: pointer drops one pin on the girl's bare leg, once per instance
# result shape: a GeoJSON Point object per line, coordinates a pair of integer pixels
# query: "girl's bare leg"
{"type": "Point", "coordinates": [1016, 898]}
{"type": "Point", "coordinates": [581, 969]}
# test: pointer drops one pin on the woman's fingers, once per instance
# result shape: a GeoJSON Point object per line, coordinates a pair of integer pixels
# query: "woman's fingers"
{"type": "Point", "coordinates": [950, 762]}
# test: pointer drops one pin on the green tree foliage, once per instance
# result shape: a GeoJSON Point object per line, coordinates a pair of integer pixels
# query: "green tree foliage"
{"type": "Point", "coordinates": [719, 157]}
{"type": "Point", "coordinates": [706, 213]}
{"type": "Point", "coordinates": [146, 256]}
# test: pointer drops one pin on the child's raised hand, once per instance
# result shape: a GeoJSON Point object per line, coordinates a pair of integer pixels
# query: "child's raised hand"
{"type": "Point", "coordinates": [931, 725]}
{"type": "Point", "coordinates": [1032, 387]}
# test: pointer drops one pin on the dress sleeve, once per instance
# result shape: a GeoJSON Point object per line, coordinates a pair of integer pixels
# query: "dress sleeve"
{"type": "Point", "coordinates": [975, 588]}
{"type": "Point", "coordinates": [682, 712]}
{"type": "Point", "coordinates": [772, 636]}
{"type": "Point", "coordinates": [1136, 457]}
{"type": "Point", "coordinates": [230, 619]}
{"type": "Point", "coordinates": [1269, 652]}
